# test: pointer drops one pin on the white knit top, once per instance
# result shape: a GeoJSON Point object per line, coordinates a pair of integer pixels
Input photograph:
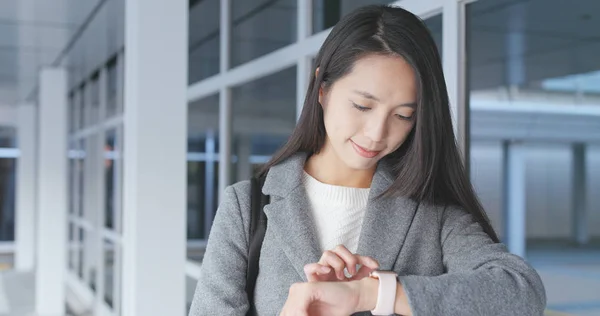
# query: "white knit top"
{"type": "Point", "coordinates": [338, 212]}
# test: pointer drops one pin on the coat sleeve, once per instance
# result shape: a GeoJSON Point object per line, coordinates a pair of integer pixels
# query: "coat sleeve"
{"type": "Point", "coordinates": [482, 277]}
{"type": "Point", "coordinates": [221, 287]}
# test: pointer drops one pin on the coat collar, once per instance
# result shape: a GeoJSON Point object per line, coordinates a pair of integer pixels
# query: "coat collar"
{"type": "Point", "coordinates": [385, 225]}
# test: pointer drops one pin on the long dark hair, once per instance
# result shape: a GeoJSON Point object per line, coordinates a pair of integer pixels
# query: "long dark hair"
{"type": "Point", "coordinates": [428, 164]}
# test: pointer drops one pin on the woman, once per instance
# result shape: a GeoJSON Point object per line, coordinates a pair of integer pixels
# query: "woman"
{"type": "Point", "coordinates": [370, 180]}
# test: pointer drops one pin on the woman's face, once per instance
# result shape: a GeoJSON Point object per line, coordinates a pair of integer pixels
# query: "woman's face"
{"type": "Point", "coordinates": [369, 112]}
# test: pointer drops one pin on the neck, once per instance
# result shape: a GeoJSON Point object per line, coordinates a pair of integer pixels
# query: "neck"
{"type": "Point", "coordinates": [328, 168]}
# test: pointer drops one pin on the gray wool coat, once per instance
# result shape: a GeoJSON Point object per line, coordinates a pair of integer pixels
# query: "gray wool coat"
{"type": "Point", "coordinates": [445, 262]}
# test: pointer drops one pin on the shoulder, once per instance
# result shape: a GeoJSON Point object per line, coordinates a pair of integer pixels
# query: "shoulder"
{"type": "Point", "coordinates": [237, 196]}
{"type": "Point", "coordinates": [233, 212]}
{"type": "Point", "coordinates": [447, 217]}
{"type": "Point", "coordinates": [240, 191]}
{"type": "Point", "coordinates": [434, 212]}
{"type": "Point", "coordinates": [456, 222]}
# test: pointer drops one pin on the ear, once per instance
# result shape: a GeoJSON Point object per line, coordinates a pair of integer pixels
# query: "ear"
{"type": "Point", "coordinates": [321, 96]}
{"type": "Point", "coordinates": [320, 88]}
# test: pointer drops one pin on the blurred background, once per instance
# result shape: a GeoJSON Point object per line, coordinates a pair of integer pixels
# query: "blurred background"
{"type": "Point", "coordinates": [122, 121]}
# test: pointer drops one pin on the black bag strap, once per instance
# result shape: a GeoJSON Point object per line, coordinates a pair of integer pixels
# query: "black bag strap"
{"type": "Point", "coordinates": [258, 227]}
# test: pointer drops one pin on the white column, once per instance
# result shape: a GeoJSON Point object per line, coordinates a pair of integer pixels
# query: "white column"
{"type": "Point", "coordinates": [579, 195]}
{"type": "Point", "coordinates": [225, 111]}
{"type": "Point", "coordinates": [26, 180]}
{"type": "Point", "coordinates": [514, 201]}
{"type": "Point", "coordinates": [155, 131]}
{"type": "Point", "coordinates": [303, 67]}
{"type": "Point", "coordinates": [52, 193]}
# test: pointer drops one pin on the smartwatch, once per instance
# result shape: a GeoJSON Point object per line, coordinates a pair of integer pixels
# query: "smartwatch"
{"type": "Point", "coordinates": [386, 297]}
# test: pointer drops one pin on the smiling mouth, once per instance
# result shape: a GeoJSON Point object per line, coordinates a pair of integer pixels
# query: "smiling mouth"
{"type": "Point", "coordinates": [365, 152]}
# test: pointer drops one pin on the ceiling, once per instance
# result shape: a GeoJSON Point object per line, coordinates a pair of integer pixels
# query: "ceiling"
{"type": "Point", "coordinates": [33, 33]}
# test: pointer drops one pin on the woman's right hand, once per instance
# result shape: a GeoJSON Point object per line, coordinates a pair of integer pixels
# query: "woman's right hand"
{"type": "Point", "coordinates": [333, 262]}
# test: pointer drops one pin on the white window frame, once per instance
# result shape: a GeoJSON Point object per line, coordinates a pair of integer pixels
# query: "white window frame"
{"type": "Point", "coordinates": [300, 54]}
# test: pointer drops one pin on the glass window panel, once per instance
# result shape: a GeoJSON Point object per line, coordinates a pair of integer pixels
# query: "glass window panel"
{"type": "Point", "coordinates": [203, 171]}
{"type": "Point", "coordinates": [533, 80]}
{"type": "Point", "coordinates": [81, 253]}
{"type": "Point", "coordinates": [73, 173]}
{"type": "Point", "coordinates": [71, 110]}
{"type": "Point", "coordinates": [76, 246]}
{"type": "Point", "coordinates": [109, 271]}
{"type": "Point", "coordinates": [83, 104]}
{"type": "Point", "coordinates": [94, 108]}
{"type": "Point", "coordinates": [510, 67]}
{"type": "Point", "coordinates": [111, 88]}
{"type": "Point", "coordinates": [204, 40]}
{"type": "Point", "coordinates": [80, 165]}
{"type": "Point", "coordinates": [8, 137]}
{"type": "Point", "coordinates": [71, 231]}
{"type": "Point", "coordinates": [260, 27]}
{"type": "Point", "coordinates": [93, 156]}
{"type": "Point", "coordinates": [71, 248]}
{"type": "Point", "coordinates": [76, 113]}
{"type": "Point", "coordinates": [121, 83]}
{"type": "Point", "coordinates": [196, 192]}
{"type": "Point", "coordinates": [91, 261]}
{"type": "Point", "coordinates": [326, 13]}
{"type": "Point", "coordinates": [7, 198]}
{"type": "Point", "coordinates": [110, 176]}
{"type": "Point", "coordinates": [119, 154]}
{"type": "Point", "coordinates": [196, 144]}
{"type": "Point", "coordinates": [264, 115]}
{"type": "Point", "coordinates": [434, 24]}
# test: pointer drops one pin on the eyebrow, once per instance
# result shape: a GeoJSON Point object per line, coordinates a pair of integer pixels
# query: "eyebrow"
{"type": "Point", "coordinates": [369, 96]}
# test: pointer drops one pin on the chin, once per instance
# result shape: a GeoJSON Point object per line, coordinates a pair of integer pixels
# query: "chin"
{"type": "Point", "coordinates": [359, 163]}
{"type": "Point", "coordinates": [349, 157]}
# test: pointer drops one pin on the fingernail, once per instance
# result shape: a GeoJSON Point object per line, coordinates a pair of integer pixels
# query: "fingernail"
{"type": "Point", "coordinates": [348, 272]}
{"type": "Point", "coordinates": [325, 269]}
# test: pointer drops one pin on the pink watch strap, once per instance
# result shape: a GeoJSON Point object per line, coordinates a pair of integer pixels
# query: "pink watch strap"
{"type": "Point", "coordinates": [386, 297]}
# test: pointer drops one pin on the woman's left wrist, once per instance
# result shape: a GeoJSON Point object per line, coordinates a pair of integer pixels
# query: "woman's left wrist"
{"type": "Point", "coordinates": [367, 289]}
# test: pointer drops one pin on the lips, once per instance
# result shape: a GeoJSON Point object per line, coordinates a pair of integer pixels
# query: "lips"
{"type": "Point", "coordinates": [365, 152]}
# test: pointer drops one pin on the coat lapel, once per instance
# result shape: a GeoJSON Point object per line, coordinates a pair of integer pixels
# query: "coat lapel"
{"type": "Point", "coordinates": [288, 214]}
{"type": "Point", "coordinates": [384, 229]}
{"type": "Point", "coordinates": [386, 221]}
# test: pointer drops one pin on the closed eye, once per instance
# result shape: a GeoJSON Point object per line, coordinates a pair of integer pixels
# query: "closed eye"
{"type": "Point", "coordinates": [402, 117]}
{"type": "Point", "coordinates": [360, 107]}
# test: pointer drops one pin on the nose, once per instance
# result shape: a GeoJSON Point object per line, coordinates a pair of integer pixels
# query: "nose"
{"type": "Point", "coordinates": [376, 128]}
